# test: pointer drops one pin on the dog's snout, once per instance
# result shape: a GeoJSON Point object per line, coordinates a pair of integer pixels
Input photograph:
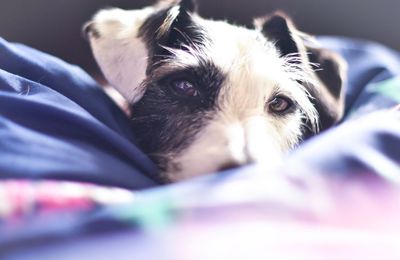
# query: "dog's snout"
{"type": "Point", "coordinates": [89, 30]}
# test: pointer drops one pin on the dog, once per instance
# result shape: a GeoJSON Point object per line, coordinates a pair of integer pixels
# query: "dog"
{"type": "Point", "coordinates": [206, 95]}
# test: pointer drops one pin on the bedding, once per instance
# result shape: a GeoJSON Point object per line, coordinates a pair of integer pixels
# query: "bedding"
{"type": "Point", "coordinates": [57, 123]}
{"type": "Point", "coordinates": [73, 184]}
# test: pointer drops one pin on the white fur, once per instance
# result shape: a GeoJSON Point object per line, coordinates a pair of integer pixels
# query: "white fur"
{"type": "Point", "coordinates": [122, 55]}
{"type": "Point", "coordinates": [222, 142]}
{"type": "Point", "coordinates": [243, 130]}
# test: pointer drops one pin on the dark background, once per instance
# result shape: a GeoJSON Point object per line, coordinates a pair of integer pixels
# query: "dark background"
{"type": "Point", "coordinates": [54, 25]}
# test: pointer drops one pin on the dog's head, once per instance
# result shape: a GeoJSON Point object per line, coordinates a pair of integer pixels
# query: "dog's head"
{"type": "Point", "coordinates": [207, 95]}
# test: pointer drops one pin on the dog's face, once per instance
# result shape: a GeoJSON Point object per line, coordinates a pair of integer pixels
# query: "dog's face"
{"type": "Point", "coordinates": [207, 95]}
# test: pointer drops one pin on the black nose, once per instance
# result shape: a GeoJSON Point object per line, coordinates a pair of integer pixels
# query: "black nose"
{"type": "Point", "coordinates": [229, 166]}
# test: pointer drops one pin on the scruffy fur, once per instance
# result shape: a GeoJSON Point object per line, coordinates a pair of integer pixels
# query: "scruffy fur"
{"type": "Point", "coordinates": [237, 74]}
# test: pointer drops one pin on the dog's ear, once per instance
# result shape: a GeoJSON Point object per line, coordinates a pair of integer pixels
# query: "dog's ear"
{"type": "Point", "coordinates": [278, 28]}
{"type": "Point", "coordinates": [326, 91]}
{"type": "Point", "coordinates": [329, 92]}
{"type": "Point", "coordinates": [124, 42]}
{"type": "Point", "coordinates": [172, 27]}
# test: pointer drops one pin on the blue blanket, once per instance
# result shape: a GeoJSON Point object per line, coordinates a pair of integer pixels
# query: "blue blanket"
{"type": "Point", "coordinates": [56, 123]}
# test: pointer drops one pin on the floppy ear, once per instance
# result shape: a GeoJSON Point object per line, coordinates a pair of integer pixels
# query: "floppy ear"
{"type": "Point", "coordinates": [329, 94]}
{"type": "Point", "coordinates": [327, 91]}
{"type": "Point", "coordinates": [124, 42]}
{"type": "Point", "coordinates": [278, 29]}
{"type": "Point", "coordinates": [171, 28]}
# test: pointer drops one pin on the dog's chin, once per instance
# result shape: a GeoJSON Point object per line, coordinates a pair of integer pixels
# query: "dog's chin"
{"type": "Point", "coordinates": [176, 173]}
{"type": "Point", "coordinates": [179, 172]}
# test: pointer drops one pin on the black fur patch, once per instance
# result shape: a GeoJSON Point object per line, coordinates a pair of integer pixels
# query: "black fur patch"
{"type": "Point", "coordinates": [189, 5]}
{"type": "Point", "coordinates": [276, 29]}
{"type": "Point", "coordinates": [163, 122]}
{"type": "Point", "coordinates": [183, 31]}
{"type": "Point", "coordinates": [331, 80]}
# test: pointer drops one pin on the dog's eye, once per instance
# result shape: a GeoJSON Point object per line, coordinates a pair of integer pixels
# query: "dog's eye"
{"type": "Point", "coordinates": [184, 88]}
{"type": "Point", "coordinates": [280, 104]}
